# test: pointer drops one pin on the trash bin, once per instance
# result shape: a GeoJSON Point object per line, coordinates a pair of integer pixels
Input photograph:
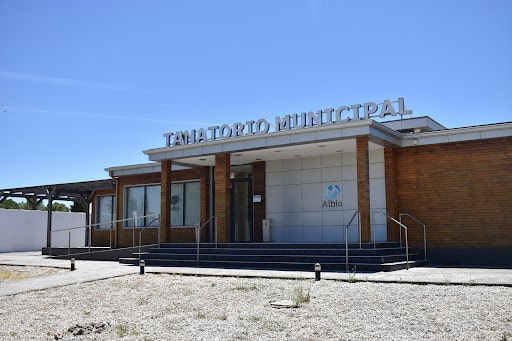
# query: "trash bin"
{"type": "Point", "coordinates": [266, 230]}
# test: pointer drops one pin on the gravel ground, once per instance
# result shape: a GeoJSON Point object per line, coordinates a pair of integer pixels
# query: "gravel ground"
{"type": "Point", "coordinates": [170, 307]}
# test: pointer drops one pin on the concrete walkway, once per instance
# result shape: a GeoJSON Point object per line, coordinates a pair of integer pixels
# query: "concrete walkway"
{"type": "Point", "coordinates": [87, 271]}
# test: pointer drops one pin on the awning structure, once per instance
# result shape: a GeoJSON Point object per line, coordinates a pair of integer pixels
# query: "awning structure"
{"type": "Point", "coordinates": [75, 191]}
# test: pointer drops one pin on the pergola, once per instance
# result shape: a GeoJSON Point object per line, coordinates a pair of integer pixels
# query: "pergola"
{"type": "Point", "coordinates": [76, 191]}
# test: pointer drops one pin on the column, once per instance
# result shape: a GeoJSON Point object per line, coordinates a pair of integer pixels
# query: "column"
{"type": "Point", "coordinates": [165, 202]}
{"type": "Point", "coordinates": [391, 197]}
{"type": "Point", "coordinates": [222, 196]}
{"type": "Point", "coordinates": [363, 187]}
{"type": "Point", "coordinates": [258, 171]}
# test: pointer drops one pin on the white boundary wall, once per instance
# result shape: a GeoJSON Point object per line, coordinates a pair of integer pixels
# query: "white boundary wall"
{"type": "Point", "coordinates": [22, 230]}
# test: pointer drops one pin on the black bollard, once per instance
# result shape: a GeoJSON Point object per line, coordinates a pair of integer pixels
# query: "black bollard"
{"type": "Point", "coordinates": [142, 263]}
{"type": "Point", "coordinates": [72, 264]}
{"type": "Point", "coordinates": [318, 269]}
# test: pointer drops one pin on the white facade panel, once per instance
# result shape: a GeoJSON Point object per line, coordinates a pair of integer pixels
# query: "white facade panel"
{"type": "Point", "coordinates": [292, 234]}
{"type": "Point", "coordinates": [292, 219]}
{"type": "Point", "coordinates": [312, 234]}
{"type": "Point", "coordinates": [376, 155]}
{"type": "Point", "coordinates": [291, 164]}
{"type": "Point", "coordinates": [274, 166]}
{"type": "Point", "coordinates": [329, 134]}
{"type": "Point", "coordinates": [349, 173]}
{"type": "Point", "coordinates": [274, 179]}
{"type": "Point", "coordinates": [274, 199]}
{"type": "Point", "coordinates": [331, 174]}
{"type": "Point", "coordinates": [312, 162]}
{"type": "Point", "coordinates": [312, 218]}
{"type": "Point", "coordinates": [310, 194]}
{"type": "Point", "coordinates": [349, 190]}
{"type": "Point", "coordinates": [302, 137]}
{"type": "Point", "coordinates": [348, 159]}
{"type": "Point", "coordinates": [376, 170]}
{"type": "Point", "coordinates": [378, 194]}
{"type": "Point", "coordinates": [292, 198]}
{"type": "Point", "coordinates": [292, 177]}
{"type": "Point", "coordinates": [317, 196]}
{"type": "Point", "coordinates": [311, 175]}
{"type": "Point", "coordinates": [331, 160]}
{"type": "Point", "coordinates": [333, 218]}
{"type": "Point", "coordinates": [333, 234]}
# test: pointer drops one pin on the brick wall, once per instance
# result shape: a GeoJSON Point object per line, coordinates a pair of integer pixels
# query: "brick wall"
{"type": "Point", "coordinates": [462, 191]}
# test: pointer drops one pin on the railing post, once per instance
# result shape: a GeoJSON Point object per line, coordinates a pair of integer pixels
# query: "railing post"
{"type": "Point", "coordinates": [425, 242]}
{"type": "Point", "coordinates": [359, 227]}
{"type": "Point", "coordinates": [346, 247]}
{"type": "Point", "coordinates": [406, 248]}
{"type": "Point", "coordinates": [90, 236]}
{"type": "Point", "coordinates": [198, 235]}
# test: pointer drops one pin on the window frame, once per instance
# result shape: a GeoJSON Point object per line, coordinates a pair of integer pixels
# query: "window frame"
{"type": "Point", "coordinates": [184, 200]}
{"type": "Point", "coordinates": [144, 205]}
{"type": "Point", "coordinates": [98, 212]}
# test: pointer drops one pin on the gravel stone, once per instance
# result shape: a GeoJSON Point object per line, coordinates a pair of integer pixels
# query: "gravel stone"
{"type": "Point", "coordinates": [173, 307]}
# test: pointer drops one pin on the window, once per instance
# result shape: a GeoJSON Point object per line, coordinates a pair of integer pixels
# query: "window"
{"type": "Point", "coordinates": [105, 212]}
{"type": "Point", "coordinates": [185, 203]}
{"type": "Point", "coordinates": [141, 202]}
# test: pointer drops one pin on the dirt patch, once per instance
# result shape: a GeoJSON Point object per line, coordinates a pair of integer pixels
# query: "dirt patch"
{"type": "Point", "coordinates": [16, 272]}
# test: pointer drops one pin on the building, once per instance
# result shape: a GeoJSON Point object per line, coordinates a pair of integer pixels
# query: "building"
{"type": "Point", "coordinates": [301, 179]}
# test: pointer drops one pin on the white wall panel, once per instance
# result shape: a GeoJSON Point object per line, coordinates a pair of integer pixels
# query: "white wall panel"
{"type": "Point", "coordinates": [331, 174]}
{"type": "Point", "coordinates": [331, 160]}
{"type": "Point", "coordinates": [23, 230]}
{"type": "Point", "coordinates": [296, 207]}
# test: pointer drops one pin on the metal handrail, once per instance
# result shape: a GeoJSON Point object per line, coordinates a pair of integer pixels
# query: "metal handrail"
{"type": "Point", "coordinates": [402, 226]}
{"type": "Point", "coordinates": [346, 235]}
{"type": "Point", "coordinates": [90, 226]}
{"type": "Point", "coordinates": [198, 236]}
{"type": "Point", "coordinates": [424, 231]}
{"type": "Point", "coordinates": [148, 226]}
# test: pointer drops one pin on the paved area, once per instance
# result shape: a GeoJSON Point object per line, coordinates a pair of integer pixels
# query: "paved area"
{"type": "Point", "coordinates": [87, 271]}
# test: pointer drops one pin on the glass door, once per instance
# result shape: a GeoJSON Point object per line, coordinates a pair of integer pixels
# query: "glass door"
{"type": "Point", "coordinates": [241, 210]}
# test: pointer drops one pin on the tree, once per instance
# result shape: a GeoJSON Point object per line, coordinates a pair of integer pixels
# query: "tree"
{"type": "Point", "coordinates": [79, 206]}
{"type": "Point", "coordinates": [10, 205]}
{"type": "Point", "coordinates": [57, 206]}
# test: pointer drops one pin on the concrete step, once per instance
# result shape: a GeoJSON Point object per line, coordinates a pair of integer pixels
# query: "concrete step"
{"type": "Point", "coordinates": [387, 257]}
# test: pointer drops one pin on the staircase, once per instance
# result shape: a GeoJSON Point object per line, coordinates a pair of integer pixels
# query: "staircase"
{"type": "Point", "coordinates": [386, 256]}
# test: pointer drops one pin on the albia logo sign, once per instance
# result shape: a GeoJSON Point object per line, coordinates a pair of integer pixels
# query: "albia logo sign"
{"type": "Point", "coordinates": [331, 194]}
{"type": "Point", "coordinates": [324, 117]}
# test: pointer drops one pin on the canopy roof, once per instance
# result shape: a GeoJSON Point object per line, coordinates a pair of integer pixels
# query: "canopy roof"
{"type": "Point", "coordinates": [75, 191]}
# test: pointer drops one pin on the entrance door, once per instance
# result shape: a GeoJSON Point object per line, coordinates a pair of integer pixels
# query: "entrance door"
{"type": "Point", "coordinates": [241, 210]}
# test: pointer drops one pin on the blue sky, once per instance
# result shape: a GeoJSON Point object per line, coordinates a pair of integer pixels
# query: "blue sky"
{"type": "Point", "coordinates": [86, 85]}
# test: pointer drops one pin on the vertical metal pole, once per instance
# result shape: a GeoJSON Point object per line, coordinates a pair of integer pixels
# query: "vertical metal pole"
{"type": "Point", "coordinates": [49, 196]}
{"type": "Point", "coordinates": [346, 247]}
{"type": "Point", "coordinates": [425, 241]}
{"type": "Point", "coordinates": [215, 232]}
{"type": "Point", "coordinates": [400, 227]}
{"type": "Point", "coordinates": [90, 235]}
{"type": "Point", "coordinates": [69, 242]}
{"type": "Point", "coordinates": [359, 226]}
{"type": "Point", "coordinates": [211, 203]}
{"type": "Point", "coordinates": [406, 248]}
{"type": "Point", "coordinates": [198, 235]}
{"type": "Point", "coordinates": [158, 232]}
